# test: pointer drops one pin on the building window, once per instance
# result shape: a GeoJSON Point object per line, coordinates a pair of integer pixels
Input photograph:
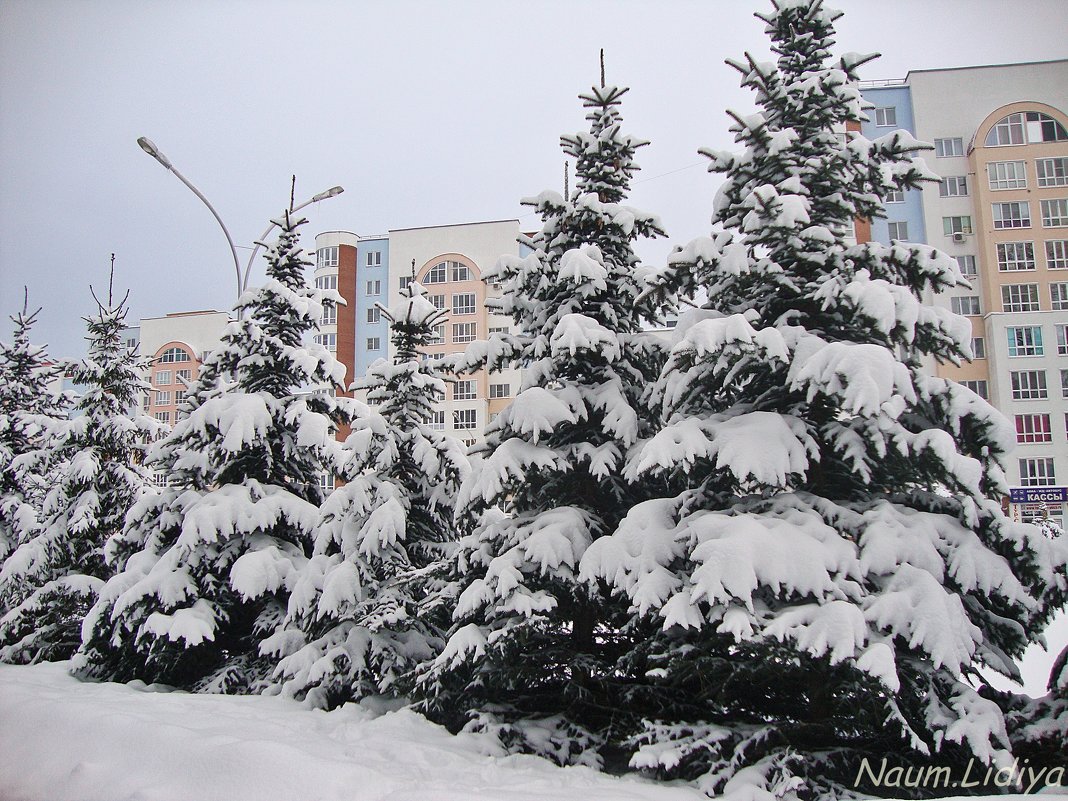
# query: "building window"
{"type": "Point", "coordinates": [966, 305]}
{"type": "Point", "coordinates": [978, 348]}
{"type": "Point", "coordinates": [329, 314]}
{"type": "Point", "coordinates": [953, 186]}
{"type": "Point", "coordinates": [498, 329]}
{"type": "Point", "coordinates": [404, 281]}
{"type": "Point", "coordinates": [1019, 297]}
{"type": "Point", "coordinates": [1052, 172]}
{"type": "Point", "coordinates": [1055, 213]}
{"type": "Point", "coordinates": [373, 258]}
{"type": "Point", "coordinates": [459, 272]}
{"type": "Point", "coordinates": [949, 147]}
{"type": "Point", "coordinates": [1037, 472]}
{"type": "Point", "coordinates": [326, 282]}
{"type": "Point", "coordinates": [899, 231]}
{"type": "Point", "coordinates": [463, 419]}
{"type": "Point", "coordinates": [436, 420]}
{"type": "Point", "coordinates": [374, 314]}
{"type": "Point", "coordinates": [1062, 340]}
{"type": "Point", "coordinates": [895, 196]}
{"type": "Point", "coordinates": [1057, 254]}
{"type": "Point", "coordinates": [163, 377]}
{"type": "Point", "coordinates": [979, 387]}
{"type": "Point", "coordinates": [1064, 383]}
{"type": "Point", "coordinates": [1029, 385]}
{"type": "Point", "coordinates": [374, 287]}
{"type": "Point", "coordinates": [436, 274]}
{"type": "Point", "coordinates": [326, 257]}
{"type": "Point", "coordinates": [886, 116]}
{"type": "Point", "coordinates": [464, 390]}
{"type": "Point", "coordinates": [967, 266]}
{"type": "Point", "coordinates": [1058, 296]}
{"type": "Point", "coordinates": [179, 396]}
{"type": "Point", "coordinates": [436, 357]}
{"type": "Point", "coordinates": [463, 303]}
{"type": "Point", "coordinates": [1016, 256]}
{"type": "Point", "coordinates": [1031, 428]}
{"type": "Point", "coordinates": [184, 375]}
{"type": "Point", "coordinates": [172, 355]}
{"type": "Point", "coordinates": [438, 301]}
{"type": "Point", "coordinates": [374, 343]}
{"type": "Point", "coordinates": [500, 390]}
{"type": "Point", "coordinates": [1012, 215]}
{"type": "Point", "coordinates": [164, 417]}
{"type": "Point", "coordinates": [956, 225]}
{"type": "Point", "coordinates": [1025, 127]}
{"type": "Point", "coordinates": [1007, 174]}
{"type": "Point", "coordinates": [328, 341]}
{"type": "Point", "coordinates": [1024, 340]}
{"type": "Point", "coordinates": [463, 332]}
{"type": "Point", "coordinates": [163, 398]}
{"type": "Point", "coordinates": [437, 335]}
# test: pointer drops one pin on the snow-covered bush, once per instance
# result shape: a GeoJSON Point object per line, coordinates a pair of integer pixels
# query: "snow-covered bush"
{"type": "Point", "coordinates": [531, 640]}
{"type": "Point", "coordinates": [367, 608]}
{"type": "Point", "coordinates": [94, 476]}
{"type": "Point", "coordinates": [839, 569]}
{"type": "Point", "coordinates": [205, 564]}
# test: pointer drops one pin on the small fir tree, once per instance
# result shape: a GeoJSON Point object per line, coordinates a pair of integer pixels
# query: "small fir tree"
{"type": "Point", "coordinates": [94, 477]}
{"type": "Point", "coordinates": [532, 641]}
{"type": "Point", "coordinates": [27, 406]}
{"type": "Point", "coordinates": [366, 610]}
{"type": "Point", "coordinates": [205, 564]}
{"type": "Point", "coordinates": [839, 569]}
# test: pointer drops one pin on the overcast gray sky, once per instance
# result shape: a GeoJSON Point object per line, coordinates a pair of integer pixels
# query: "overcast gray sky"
{"type": "Point", "coordinates": [427, 113]}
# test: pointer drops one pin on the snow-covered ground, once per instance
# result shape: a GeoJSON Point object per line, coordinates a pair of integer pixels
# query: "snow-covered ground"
{"type": "Point", "coordinates": [62, 740]}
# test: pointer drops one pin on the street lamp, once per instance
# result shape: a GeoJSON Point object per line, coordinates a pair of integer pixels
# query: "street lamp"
{"type": "Point", "coordinates": [149, 147]}
{"type": "Point", "coordinates": [332, 192]}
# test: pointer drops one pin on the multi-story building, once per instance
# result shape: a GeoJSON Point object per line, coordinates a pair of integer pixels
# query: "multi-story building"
{"type": "Point", "coordinates": [1001, 209]}
{"type": "Point", "coordinates": [177, 345]}
{"type": "Point", "coordinates": [449, 260]}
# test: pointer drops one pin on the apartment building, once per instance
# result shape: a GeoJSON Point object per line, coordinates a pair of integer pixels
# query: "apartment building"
{"type": "Point", "coordinates": [449, 260]}
{"type": "Point", "coordinates": [1001, 209]}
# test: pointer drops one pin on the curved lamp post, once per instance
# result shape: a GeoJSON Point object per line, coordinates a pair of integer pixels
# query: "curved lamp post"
{"type": "Point", "coordinates": [332, 192]}
{"type": "Point", "coordinates": [149, 147]}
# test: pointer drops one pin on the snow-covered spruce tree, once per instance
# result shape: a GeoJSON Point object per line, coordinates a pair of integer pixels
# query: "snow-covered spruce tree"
{"type": "Point", "coordinates": [94, 477]}
{"type": "Point", "coordinates": [205, 564]}
{"type": "Point", "coordinates": [365, 610]}
{"type": "Point", "coordinates": [839, 569]}
{"type": "Point", "coordinates": [530, 640]}
{"type": "Point", "coordinates": [27, 405]}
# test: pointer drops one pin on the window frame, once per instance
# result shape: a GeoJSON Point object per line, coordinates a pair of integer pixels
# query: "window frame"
{"type": "Point", "coordinates": [948, 147]}
{"type": "Point", "coordinates": [958, 184]}
{"type": "Point", "coordinates": [1059, 176]}
{"type": "Point", "coordinates": [1054, 218]}
{"type": "Point", "coordinates": [966, 305]}
{"type": "Point", "coordinates": [898, 226]}
{"type": "Point", "coordinates": [1009, 258]}
{"type": "Point", "coordinates": [1033, 428]}
{"type": "Point", "coordinates": [465, 389]}
{"type": "Point", "coordinates": [1022, 218]}
{"type": "Point", "coordinates": [1014, 302]}
{"type": "Point", "coordinates": [1028, 342]}
{"type": "Point", "coordinates": [460, 421]}
{"type": "Point", "coordinates": [999, 178]}
{"type": "Point", "coordinates": [464, 332]}
{"type": "Point", "coordinates": [1028, 385]}
{"type": "Point", "coordinates": [886, 117]}
{"type": "Point", "coordinates": [460, 306]}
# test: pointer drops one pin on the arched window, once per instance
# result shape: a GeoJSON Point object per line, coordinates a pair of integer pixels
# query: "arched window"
{"type": "Point", "coordinates": [1026, 128]}
{"type": "Point", "coordinates": [172, 355]}
{"type": "Point", "coordinates": [445, 271]}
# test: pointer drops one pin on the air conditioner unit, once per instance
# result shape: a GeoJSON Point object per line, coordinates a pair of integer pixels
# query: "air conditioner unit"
{"type": "Point", "coordinates": [958, 237]}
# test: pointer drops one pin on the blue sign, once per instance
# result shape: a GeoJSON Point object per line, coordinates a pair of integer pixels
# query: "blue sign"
{"type": "Point", "coordinates": [1038, 494]}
